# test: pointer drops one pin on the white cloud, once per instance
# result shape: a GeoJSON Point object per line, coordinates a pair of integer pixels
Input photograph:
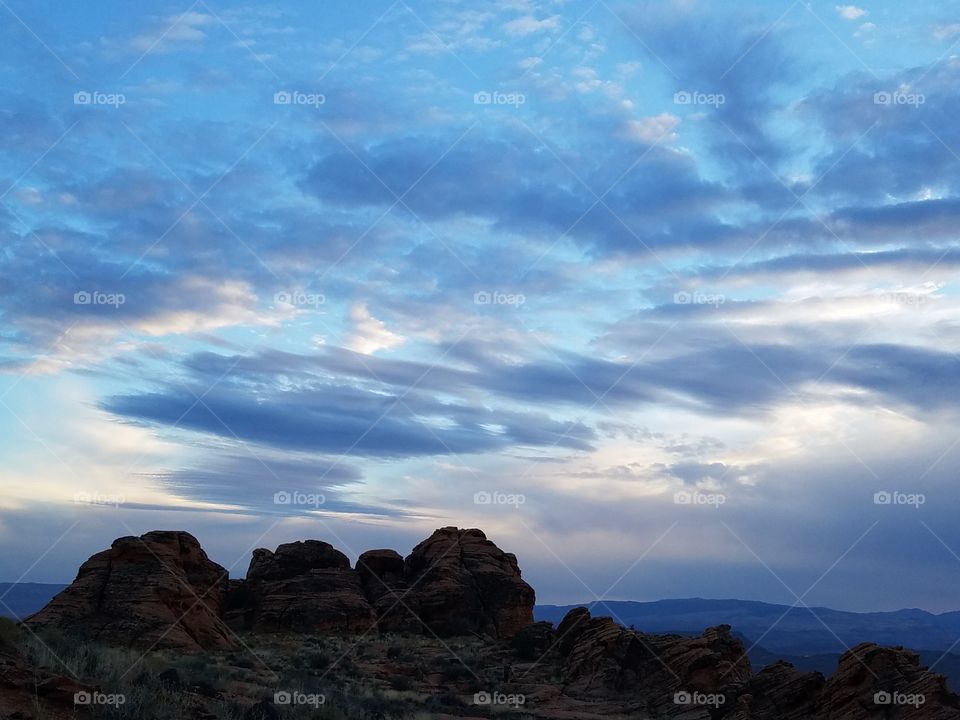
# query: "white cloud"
{"type": "Point", "coordinates": [850, 12]}
{"type": "Point", "coordinates": [528, 24]}
{"type": "Point", "coordinates": [369, 334]}
{"type": "Point", "coordinates": [652, 129]}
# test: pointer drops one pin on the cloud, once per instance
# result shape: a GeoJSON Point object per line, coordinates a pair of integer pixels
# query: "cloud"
{"type": "Point", "coordinates": [850, 12]}
{"type": "Point", "coordinates": [369, 335]}
{"type": "Point", "coordinates": [653, 129]}
{"type": "Point", "coordinates": [528, 24]}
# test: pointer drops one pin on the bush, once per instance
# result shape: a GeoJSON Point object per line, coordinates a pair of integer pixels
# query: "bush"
{"type": "Point", "coordinates": [9, 634]}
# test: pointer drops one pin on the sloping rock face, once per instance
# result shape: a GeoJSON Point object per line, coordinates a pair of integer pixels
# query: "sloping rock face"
{"type": "Point", "coordinates": [883, 682]}
{"type": "Point", "coordinates": [672, 675]}
{"type": "Point", "coordinates": [780, 692]}
{"type": "Point", "coordinates": [157, 590]}
{"type": "Point", "coordinates": [387, 590]}
{"type": "Point", "coordinates": [304, 586]}
{"type": "Point", "coordinates": [463, 583]}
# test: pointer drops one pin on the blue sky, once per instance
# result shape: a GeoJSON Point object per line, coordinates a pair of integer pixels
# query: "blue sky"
{"type": "Point", "coordinates": [671, 284]}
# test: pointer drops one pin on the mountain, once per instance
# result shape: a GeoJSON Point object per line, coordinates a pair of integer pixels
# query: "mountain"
{"type": "Point", "coordinates": [18, 600]}
{"type": "Point", "coordinates": [781, 629]}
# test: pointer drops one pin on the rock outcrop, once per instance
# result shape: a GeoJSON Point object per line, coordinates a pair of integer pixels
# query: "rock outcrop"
{"type": "Point", "coordinates": [304, 586]}
{"type": "Point", "coordinates": [464, 584]}
{"type": "Point", "coordinates": [161, 590]}
{"type": "Point", "coordinates": [878, 682]}
{"type": "Point", "coordinates": [600, 657]}
{"type": "Point", "coordinates": [157, 590]}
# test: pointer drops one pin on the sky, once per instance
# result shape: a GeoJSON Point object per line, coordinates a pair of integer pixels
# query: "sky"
{"type": "Point", "coordinates": [661, 295]}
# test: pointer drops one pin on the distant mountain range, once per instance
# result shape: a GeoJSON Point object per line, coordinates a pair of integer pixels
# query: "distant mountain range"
{"type": "Point", "coordinates": [18, 600]}
{"type": "Point", "coordinates": [811, 639]}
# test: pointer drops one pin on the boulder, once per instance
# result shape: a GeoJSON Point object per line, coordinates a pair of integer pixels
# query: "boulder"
{"type": "Point", "coordinates": [157, 590]}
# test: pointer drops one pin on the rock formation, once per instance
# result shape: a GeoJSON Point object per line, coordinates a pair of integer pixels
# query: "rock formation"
{"type": "Point", "coordinates": [161, 590]}
{"type": "Point", "coordinates": [157, 590]}
{"type": "Point", "coordinates": [463, 583]}
{"type": "Point", "coordinates": [303, 587]}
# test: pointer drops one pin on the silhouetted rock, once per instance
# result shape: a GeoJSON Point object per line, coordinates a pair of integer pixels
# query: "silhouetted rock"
{"type": "Point", "coordinates": [534, 641]}
{"type": "Point", "coordinates": [883, 682]}
{"type": "Point", "coordinates": [463, 583]}
{"type": "Point", "coordinates": [157, 590]}
{"type": "Point", "coordinates": [387, 590]}
{"type": "Point", "coordinates": [779, 692]}
{"type": "Point", "coordinates": [304, 586]}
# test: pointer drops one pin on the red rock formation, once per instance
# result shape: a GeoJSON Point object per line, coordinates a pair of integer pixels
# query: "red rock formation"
{"type": "Point", "coordinates": [463, 583]}
{"type": "Point", "coordinates": [883, 682]}
{"type": "Point", "coordinates": [303, 587]}
{"type": "Point", "coordinates": [158, 590]}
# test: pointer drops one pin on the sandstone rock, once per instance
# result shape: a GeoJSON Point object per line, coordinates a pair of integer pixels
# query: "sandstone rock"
{"type": "Point", "coordinates": [601, 658]}
{"type": "Point", "coordinates": [779, 692]}
{"type": "Point", "coordinates": [463, 583]}
{"type": "Point", "coordinates": [387, 590]}
{"type": "Point", "coordinates": [534, 641]}
{"type": "Point", "coordinates": [157, 590]}
{"type": "Point", "coordinates": [896, 674]}
{"type": "Point", "coordinates": [304, 586]}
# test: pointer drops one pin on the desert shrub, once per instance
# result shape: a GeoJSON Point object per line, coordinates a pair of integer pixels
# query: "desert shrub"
{"type": "Point", "coordinates": [9, 634]}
